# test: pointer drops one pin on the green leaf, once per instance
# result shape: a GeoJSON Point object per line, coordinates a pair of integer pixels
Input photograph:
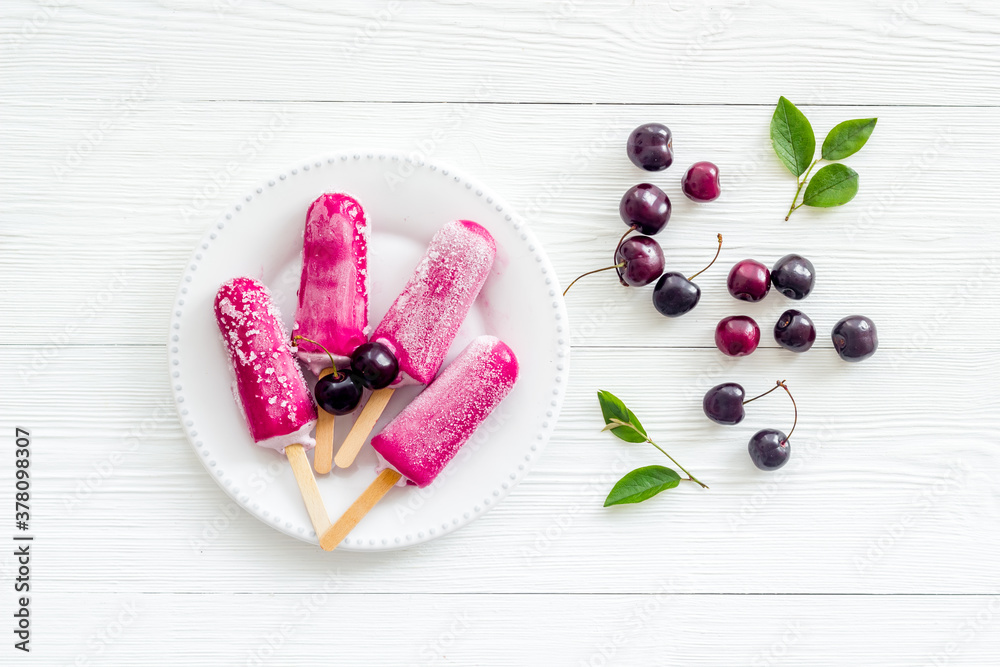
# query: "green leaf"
{"type": "Point", "coordinates": [833, 185]}
{"type": "Point", "coordinates": [615, 414]}
{"type": "Point", "coordinates": [792, 137]}
{"type": "Point", "coordinates": [642, 484]}
{"type": "Point", "coordinates": [847, 138]}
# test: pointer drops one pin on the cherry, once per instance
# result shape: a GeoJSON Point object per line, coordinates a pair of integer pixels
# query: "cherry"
{"type": "Point", "coordinates": [749, 280]}
{"type": "Point", "coordinates": [737, 335]}
{"type": "Point", "coordinates": [639, 261]}
{"type": "Point", "coordinates": [794, 331]}
{"type": "Point", "coordinates": [375, 365]}
{"type": "Point", "coordinates": [339, 392]}
{"type": "Point", "coordinates": [645, 207]}
{"type": "Point", "coordinates": [650, 147]}
{"type": "Point", "coordinates": [675, 295]}
{"type": "Point", "coordinates": [724, 402]}
{"type": "Point", "coordinates": [855, 338]}
{"type": "Point", "coordinates": [794, 276]}
{"type": "Point", "coordinates": [701, 182]}
{"type": "Point", "coordinates": [770, 448]}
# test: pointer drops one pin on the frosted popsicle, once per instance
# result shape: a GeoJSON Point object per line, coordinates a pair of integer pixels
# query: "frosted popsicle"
{"type": "Point", "coordinates": [427, 434]}
{"type": "Point", "coordinates": [333, 290]}
{"type": "Point", "coordinates": [268, 384]}
{"type": "Point", "coordinates": [422, 322]}
{"type": "Point", "coordinates": [332, 313]}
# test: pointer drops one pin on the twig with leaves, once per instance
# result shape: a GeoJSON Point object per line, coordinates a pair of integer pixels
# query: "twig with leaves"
{"type": "Point", "coordinates": [642, 483]}
{"type": "Point", "coordinates": [795, 144]}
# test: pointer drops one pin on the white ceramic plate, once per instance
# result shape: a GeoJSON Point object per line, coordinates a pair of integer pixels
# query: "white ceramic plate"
{"type": "Point", "coordinates": [406, 202]}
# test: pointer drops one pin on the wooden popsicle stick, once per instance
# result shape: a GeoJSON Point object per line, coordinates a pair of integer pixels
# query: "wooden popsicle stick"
{"type": "Point", "coordinates": [323, 454]}
{"type": "Point", "coordinates": [307, 487]}
{"type": "Point", "coordinates": [359, 508]}
{"type": "Point", "coordinates": [362, 427]}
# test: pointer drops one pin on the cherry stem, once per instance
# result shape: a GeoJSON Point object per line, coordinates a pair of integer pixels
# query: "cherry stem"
{"type": "Point", "coordinates": [710, 263]}
{"type": "Point", "coordinates": [622, 239]}
{"type": "Point", "coordinates": [691, 478]}
{"type": "Point", "coordinates": [333, 364]}
{"type": "Point", "coordinates": [606, 268]}
{"type": "Point", "coordinates": [799, 189]}
{"type": "Point", "coordinates": [618, 247]}
{"type": "Point", "coordinates": [749, 400]}
{"type": "Point", "coordinates": [794, 406]}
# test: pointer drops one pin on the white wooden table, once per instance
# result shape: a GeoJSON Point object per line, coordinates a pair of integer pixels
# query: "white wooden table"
{"type": "Point", "coordinates": [128, 126]}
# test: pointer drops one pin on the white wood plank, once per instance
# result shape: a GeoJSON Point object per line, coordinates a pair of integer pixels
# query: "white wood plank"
{"type": "Point", "coordinates": [664, 626]}
{"type": "Point", "coordinates": [916, 251]}
{"type": "Point", "coordinates": [890, 489]}
{"type": "Point", "coordinates": [879, 545]}
{"type": "Point", "coordinates": [566, 51]}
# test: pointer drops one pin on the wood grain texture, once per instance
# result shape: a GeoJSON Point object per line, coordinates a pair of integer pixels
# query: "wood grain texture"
{"type": "Point", "coordinates": [362, 428]}
{"type": "Point", "coordinates": [360, 508]}
{"type": "Point", "coordinates": [662, 627]}
{"type": "Point", "coordinates": [914, 251]}
{"type": "Point", "coordinates": [127, 127]}
{"type": "Point", "coordinates": [313, 501]}
{"type": "Point", "coordinates": [737, 51]}
{"type": "Point", "coordinates": [885, 479]}
{"type": "Point", "coordinates": [323, 453]}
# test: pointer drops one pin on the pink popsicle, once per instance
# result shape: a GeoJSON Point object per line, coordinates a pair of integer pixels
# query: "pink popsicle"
{"type": "Point", "coordinates": [268, 383]}
{"type": "Point", "coordinates": [333, 291]}
{"type": "Point", "coordinates": [421, 324]}
{"type": "Point", "coordinates": [427, 434]}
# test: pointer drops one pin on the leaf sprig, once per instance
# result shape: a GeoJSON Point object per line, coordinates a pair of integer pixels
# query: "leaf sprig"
{"type": "Point", "coordinates": [795, 145]}
{"type": "Point", "coordinates": [643, 483]}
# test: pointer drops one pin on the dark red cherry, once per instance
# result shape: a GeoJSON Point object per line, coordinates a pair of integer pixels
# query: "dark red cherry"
{"type": "Point", "coordinates": [645, 207]}
{"type": "Point", "coordinates": [643, 261]}
{"type": "Point", "coordinates": [749, 280]}
{"type": "Point", "coordinates": [723, 403]}
{"type": "Point", "coordinates": [794, 331]}
{"type": "Point", "coordinates": [375, 365]}
{"type": "Point", "coordinates": [855, 338]}
{"type": "Point", "coordinates": [737, 336]}
{"type": "Point", "coordinates": [769, 449]}
{"type": "Point", "coordinates": [339, 392]}
{"type": "Point", "coordinates": [701, 182]}
{"type": "Point", "coordinates": [675, 295]}
{"type": "Point", "coordinates": [650, 147]}
{"type": "Point", "coordinates": [794, 276]}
